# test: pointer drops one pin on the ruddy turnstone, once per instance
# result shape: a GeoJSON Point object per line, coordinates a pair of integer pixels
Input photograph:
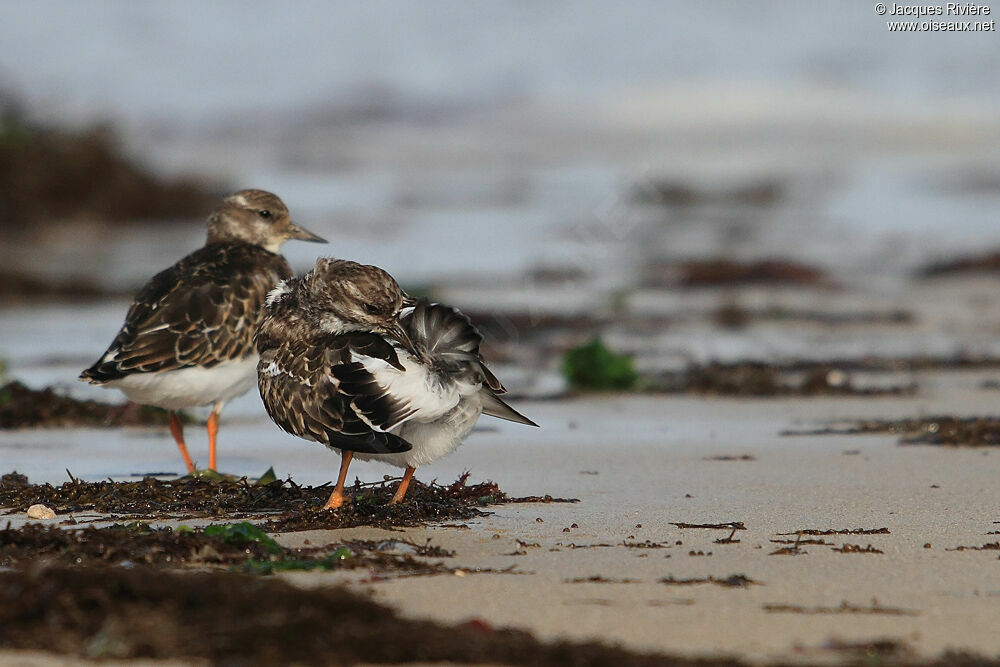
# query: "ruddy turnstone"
{"type": "Point", "coordinates": [340, 364]}
{"type": "Point", "coordinates": [188, 336]}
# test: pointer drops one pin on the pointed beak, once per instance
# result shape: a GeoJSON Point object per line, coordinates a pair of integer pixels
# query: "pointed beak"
{"type": "Point", "coordinates": [397, 332]}
{"type": "Point", "coordinates": [296, 232]}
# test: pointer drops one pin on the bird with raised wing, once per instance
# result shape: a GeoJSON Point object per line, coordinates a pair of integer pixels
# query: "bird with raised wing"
{"type": "Point", "coordinates": [187, 339]}
{"type": "Point", "coordinates": [349, 360]}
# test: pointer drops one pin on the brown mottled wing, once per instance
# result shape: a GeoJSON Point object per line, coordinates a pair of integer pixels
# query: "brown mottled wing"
{"type": "Point", "coordinates": [201, 311]}
{"type": "Point", "coordinates": [300, 393]}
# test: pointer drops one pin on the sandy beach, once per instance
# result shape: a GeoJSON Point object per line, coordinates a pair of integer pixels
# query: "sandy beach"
{"type": "Point", "coordinates": [641, 465]}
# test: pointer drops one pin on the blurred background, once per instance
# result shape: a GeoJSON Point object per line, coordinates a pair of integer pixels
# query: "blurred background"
{"type": "Point", "coordinates": [692, 183]}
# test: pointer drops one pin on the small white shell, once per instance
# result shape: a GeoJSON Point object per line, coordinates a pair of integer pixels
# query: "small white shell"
{"type": "Point", "coordinates": [40, 512]}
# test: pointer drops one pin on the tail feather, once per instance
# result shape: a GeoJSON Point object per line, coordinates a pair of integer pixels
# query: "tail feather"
{"type": "Point", "coordinates": [100, 373]}
{"type": "Point", "coordinates": [449, 338]}
{"type": "Point", "coordinates": [494, 407]}
{"type": "Point", "coordinates": [442, 331]}
{"type": "Point", "coordinates": [492, 381]}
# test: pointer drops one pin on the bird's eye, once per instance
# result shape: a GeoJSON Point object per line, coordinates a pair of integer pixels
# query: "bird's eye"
{"type": "Point", "coordinates": [372, 308]}
{"type": "Point", "coordinates": [264, 214]}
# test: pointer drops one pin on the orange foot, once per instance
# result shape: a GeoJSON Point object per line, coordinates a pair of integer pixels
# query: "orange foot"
{"type": "Point", "coordinates": [337, 498]}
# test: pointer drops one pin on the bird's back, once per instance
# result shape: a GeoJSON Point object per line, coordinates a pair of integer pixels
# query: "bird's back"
{"type": "Point", "coordinates": [201, 311]}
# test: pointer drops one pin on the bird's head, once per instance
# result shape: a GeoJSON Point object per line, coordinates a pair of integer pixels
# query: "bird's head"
{"type": "Point", "coordinates": [257, 217]}
{"type": "Point", "coordinates": [347, 296]}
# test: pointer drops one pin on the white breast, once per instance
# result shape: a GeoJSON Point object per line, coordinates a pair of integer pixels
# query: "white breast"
{"type": "Point", "coordinates": [190, 387]}
{"type": "Point", "coordinates": [433, 439]}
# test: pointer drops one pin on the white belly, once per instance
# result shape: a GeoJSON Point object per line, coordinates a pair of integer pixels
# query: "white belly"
{"type": "Point", "coordinates": [190, 387]}
{"type": "Point", "coordinates": [434, 439]}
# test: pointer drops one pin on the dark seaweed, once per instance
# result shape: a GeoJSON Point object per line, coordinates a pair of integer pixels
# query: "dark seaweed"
{"type": "Point", "coordinates": [115, 613]}
{"type": "Point", "coordinates": [23, 407]}
{"type": "Point", "coordinates": [729, 273]}
{"type": "Point", "coordinates": [51, 174]}
{"type": "Point", "coordinates": [839, 531]}
{"type": "Point", "coordinates": [985, 263]}
{"type": "Point", "coordinates": [857, 549]}
{"type": "Point", "coordinates": [731, 525]}
{"type": "Point", "coordinates": [844, 608]}
{"type": "Point", "coordinates": [287, 505]}
{"type": "Point", "coordinates": [942, 430]}
{"type": "Point", "coordinates": [751, 378]}
{"type": "Point", "coordinates": [237, 546]}
{"type": "Point", "coordinates": [732, 581]}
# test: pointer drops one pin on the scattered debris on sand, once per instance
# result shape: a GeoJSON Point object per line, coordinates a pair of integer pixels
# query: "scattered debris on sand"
{"type": "Point", "coordinates": [286, 505]}
{"type": "Point", "coordinates": [844, 608]}
{"type": "Point", "coordinates": [23, 407]}
{"type": "Point", "coordinates": [151, 498]}
{"type": "Point", "coordinates": [646, 544]}
{"type": "Point", "coordinates": [114, 613]}
{"type": "Point", "coordinates": [119, 613]}
{"type": "Point", "coordinates": [942, 430]}
{"type": "Point", "coordinates": [730, 539]}
{"type": "Point", "coordinates": [989, 546]}
{"type": "Point", "coordinates": [805, 377]}
{"type": "Point", "coordinates": [798, 541]}
{"type": "Point", "coordinates": [600, 579]}
{"type": "Point", "coordinates": [732, 581]}
{"type": "Point", "coordinates": [729, 525]}
{"type": "Point", "coordinates": [761, 379]}
{"type": "Point", "coordinates": [839, 531]}
{"type": "Point", "coordinates": [857, 549]}
{"type": "Point", "coordinates": [793, 550]}
{"type": "Point", "coordinates": [239, 546]}
{"type": "Point", "coordinates": [869, 651]}
{"type": "Point", "coordinates": [794, 547]}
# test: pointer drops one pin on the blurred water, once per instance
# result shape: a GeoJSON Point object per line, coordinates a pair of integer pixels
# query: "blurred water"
{"type": "Point", "coordinates": [450, 138]}
{"type": "Point", "coordinates": [206, 62]}
{"type": "Point", "coordinates": [464, 145]}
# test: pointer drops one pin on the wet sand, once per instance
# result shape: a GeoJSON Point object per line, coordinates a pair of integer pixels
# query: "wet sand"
{"type": "Point", "coordinates": [928, 599]}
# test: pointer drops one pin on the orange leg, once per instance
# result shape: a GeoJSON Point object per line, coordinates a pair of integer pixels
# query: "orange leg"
{"type": "Point", "coordinates": [337, 497]}
{"type": "Point", "coordinates": [213, 432]}
{"type": "Point", "coordinates": [177, 430]}
{"type": "Point", "coordinates": [403, 486]}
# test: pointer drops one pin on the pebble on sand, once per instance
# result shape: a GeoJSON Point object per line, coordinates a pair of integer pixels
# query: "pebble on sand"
{"type": "Point", "coordinates": [40, 512]}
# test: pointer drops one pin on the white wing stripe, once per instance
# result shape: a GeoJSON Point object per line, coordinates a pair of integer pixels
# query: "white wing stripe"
{"type": "Point", "coordinates": [415, 387]}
